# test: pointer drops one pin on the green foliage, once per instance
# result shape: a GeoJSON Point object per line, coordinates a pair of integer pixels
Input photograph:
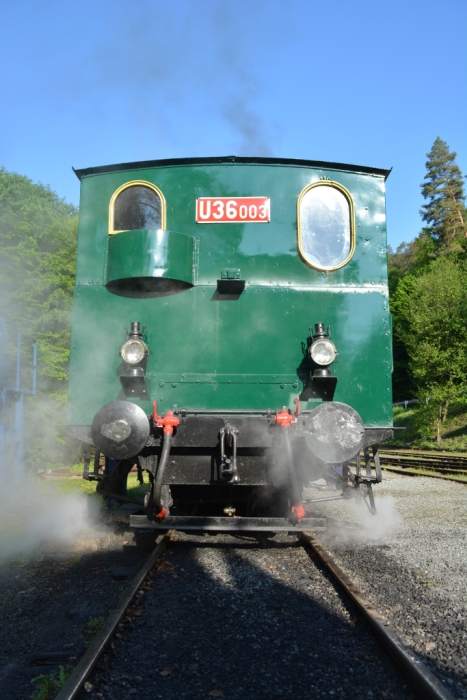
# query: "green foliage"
{"type": "Point", "coordinates": [431, 309]}
{"type": "Point", "coordinates": [399, 264]}
{"type": "Point", "coordinates": [404, 418]}
{"type": "Point", "coordinates": [92, 627]}
{"type": "Point", "coordinates": [48, 685]}
{"type": "Point", "coordinates": [454, 435]}
{"type": "Point", "coordinates": [37, 269]}
{"type": "Point", "coordinates": [444, 237]}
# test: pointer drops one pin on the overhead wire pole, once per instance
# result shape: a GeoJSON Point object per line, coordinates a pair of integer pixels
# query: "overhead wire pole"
{"type": "Point", "coordinates": [19, 409]}
{"type": "Point", "coordinates": [34, 370]}
{"type": "Point", "coordinates": [2, 398]}
{"type": "Point", "coordinates": [12, 402]}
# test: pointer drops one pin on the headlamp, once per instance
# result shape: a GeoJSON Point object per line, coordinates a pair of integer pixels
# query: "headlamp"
{"type": "Point", "coordinates": [133, 351]}
{"type": "Point", "coordinates": [323, 352]}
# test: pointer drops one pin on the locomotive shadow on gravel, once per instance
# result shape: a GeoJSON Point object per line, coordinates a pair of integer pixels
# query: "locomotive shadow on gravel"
{"type": "Point", "coordinates": [247, 631]}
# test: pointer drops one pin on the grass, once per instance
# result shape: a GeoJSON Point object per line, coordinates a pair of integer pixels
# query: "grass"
{"type": "Point", "coordinates": [454, 436]}
{"type": "Point", "coordinates": [92, 627]}
{"type": "Point", "coordinates": [68, 483]}
{"type": "Point", "coordinates": [48, 685]}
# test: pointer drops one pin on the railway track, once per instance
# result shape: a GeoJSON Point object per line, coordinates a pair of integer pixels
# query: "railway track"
{"type": "Point", "coordinates": [422, 681]}
{"type": "Point", "coordinates": [413, 673]}
{"type": "Point", "coordinates": [82, 671]}
{"type": "Point", "coordinates": [444, 463]}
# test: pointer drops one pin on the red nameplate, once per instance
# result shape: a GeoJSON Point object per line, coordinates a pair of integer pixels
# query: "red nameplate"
{"type": "Point", "coordinates": [233, 210]}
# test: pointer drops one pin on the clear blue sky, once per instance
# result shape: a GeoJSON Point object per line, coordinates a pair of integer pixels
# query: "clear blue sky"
{"type": "Point", "coordinates": [90, 83]}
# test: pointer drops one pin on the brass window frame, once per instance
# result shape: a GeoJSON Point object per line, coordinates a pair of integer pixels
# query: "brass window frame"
{"type": "Point", "coordinates": [352, 223]}
{"type": "Point", "coordinates": [135, 183]}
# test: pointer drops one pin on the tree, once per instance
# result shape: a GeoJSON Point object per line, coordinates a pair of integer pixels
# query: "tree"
{"type": "Point", "coordinates": [399, 264]}
{"type": "Point", "coordinates": [37, 269]}
{"type": "Point", "coordinates": [432, 309]}
{"type": "Point", "coordinates": [443, 236]}
{"type": "Point", "coordinates": [443, 190]}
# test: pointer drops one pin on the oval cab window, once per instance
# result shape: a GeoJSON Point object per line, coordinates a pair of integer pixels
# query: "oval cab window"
{"type": "Point", "coordinates": [326, 236]}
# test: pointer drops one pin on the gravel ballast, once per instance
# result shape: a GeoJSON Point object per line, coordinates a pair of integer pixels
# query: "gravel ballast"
{"type": "Point", "coordinates": [229, 619]}
{"type": "Point", "coordinates": [411, 562]}
{"type": "Point", "coordinates": [53, 600]}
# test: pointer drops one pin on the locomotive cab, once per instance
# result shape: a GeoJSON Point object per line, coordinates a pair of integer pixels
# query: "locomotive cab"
{"type": "Point", "coordinates": [245, 342]}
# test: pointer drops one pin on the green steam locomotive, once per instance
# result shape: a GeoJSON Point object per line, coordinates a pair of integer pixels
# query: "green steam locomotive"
{"type": "Point", "coordinates": [231, 335]}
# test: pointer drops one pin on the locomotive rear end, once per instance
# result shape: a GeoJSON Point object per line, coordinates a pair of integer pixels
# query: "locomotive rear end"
{"type": "Point", "coordinates": [231, 333]}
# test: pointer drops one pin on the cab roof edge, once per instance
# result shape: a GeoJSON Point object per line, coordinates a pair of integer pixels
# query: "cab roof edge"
{"type": "Point", "coordinates": [83, 172]}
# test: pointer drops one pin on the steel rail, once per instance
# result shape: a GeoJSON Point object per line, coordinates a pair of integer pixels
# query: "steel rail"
{"type": "Point", "coordinates": [435, 454]}
{"type": "Point", "coordinates": [424, 460]}
{"type": "Point", "coordinates": [405, 471]}
{"type": "Point", "coordinates": [429, 465]}
{"type": "Point", "coordinates": [423, 682]}
{"type": "Point", "coordinates": [81, 671]}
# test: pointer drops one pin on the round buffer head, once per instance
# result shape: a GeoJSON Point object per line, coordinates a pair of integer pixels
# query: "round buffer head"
{"type": "Point", "coordinates": [120, 429]}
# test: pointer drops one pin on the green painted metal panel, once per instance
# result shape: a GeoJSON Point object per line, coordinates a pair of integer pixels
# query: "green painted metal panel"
{"type": "Point", "coordinates": [210, 352]}
{"type": "Point", "coordinates": [226, 354]}
{"type": "Point", "coordinates": [151, 255]}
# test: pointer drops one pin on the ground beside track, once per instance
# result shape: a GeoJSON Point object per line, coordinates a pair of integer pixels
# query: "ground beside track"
{"type": "Point", "coordinates": [414, 571]}
{"type": "Point", "coordinates": [51, 603]}
{"type": "Point", "coordinates": [411, 562]}
{"type": "Point", "coordinates": [234, 620]}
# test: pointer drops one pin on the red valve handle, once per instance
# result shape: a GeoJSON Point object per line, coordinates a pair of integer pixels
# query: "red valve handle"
{"type": "Point", "coordinates": [167, 422]}
{"type": "Point", "coordinates": [283, 418]}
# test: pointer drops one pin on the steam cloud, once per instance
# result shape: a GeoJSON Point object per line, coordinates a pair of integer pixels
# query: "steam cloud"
{"type": "Point", "coordinates": [198, 62]}
{"type": "Point", "coordinates": [35, 516]}
{"type": "Point", "coordinates": [354, 525]}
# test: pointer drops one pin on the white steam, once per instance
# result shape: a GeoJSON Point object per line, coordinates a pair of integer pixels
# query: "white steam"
{"type": "Point", "coordinates": [37, 518]}
{"type": "Point", "coordinates": [355, 525]}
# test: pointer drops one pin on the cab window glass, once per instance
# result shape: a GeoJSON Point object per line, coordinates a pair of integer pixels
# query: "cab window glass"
{"type": "Point", "coordinates": [325, 227]}
{"type": "Point", "coordinates": [137, 206]}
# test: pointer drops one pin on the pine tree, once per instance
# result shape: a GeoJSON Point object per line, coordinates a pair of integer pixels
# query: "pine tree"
{"type": "Point", "coordinates": [443, 188]}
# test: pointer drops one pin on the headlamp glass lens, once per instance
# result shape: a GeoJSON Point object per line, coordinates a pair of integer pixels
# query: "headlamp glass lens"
{"type": "Point", "coordinates": [133, 351]}
{"type": "Point", "coordinates": [323, 352]}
